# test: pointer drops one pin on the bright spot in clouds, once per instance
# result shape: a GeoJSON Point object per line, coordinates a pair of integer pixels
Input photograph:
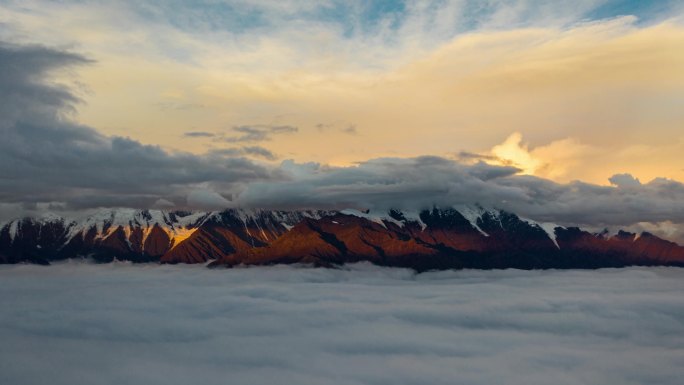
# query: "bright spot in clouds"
{"type": "Point", "coordinates": [554, 160]}
{"type": "Point", "coordinates": [513, 152]}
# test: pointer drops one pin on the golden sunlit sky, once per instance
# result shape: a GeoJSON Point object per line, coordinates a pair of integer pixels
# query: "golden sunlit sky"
{"type": "Point", "coordinates": [563, 90]}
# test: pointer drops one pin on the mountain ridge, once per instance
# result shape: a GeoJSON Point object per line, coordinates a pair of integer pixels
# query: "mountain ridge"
{"type": "Point", "coordinates": [438, 238]}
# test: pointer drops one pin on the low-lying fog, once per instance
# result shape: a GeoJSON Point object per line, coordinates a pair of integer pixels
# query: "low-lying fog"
{"type": "Point", "coordinates": [77, 323]}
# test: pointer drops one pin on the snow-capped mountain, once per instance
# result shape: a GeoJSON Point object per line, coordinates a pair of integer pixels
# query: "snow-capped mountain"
{"type": "Point", "coordinates": [457, 237]}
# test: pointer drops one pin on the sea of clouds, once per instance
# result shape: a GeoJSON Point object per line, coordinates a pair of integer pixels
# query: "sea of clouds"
{"type": "Point", "coordinates": [79, 323]}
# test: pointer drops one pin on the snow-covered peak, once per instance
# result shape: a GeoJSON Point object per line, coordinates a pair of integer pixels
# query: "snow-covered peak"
{"type": "Point", "coordinates": [384, 217]}
{"type": "Point", "coordinates": [105, 221]}
{"type": "Point", "coordinates": [14, 226]}
{"type": "Point", "coordinates": [245, 215]}
{"type": "Point", "coordinates": [13, 229]}
{"type": "Point", "coordinates": [473, 213]}
{"type": "Point", "coordinates": [376, 217]}
{"type": "Point", "coordinates": [548, 227]}
{"type": "Point", "coordinates": [612, 233]}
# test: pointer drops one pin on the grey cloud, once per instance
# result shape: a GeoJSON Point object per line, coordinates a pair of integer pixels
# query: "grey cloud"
{"type": "Point", "coordinates": [107, 324]}
{"type": "Point", "coordinates": [207, 200]}
{"type": "Point", "coordinates": [45, 156]}
{"type": "Point", "coordinates": [470, 156]}
{"type": "Point", "coordinates": [260, 151]}
{"type": "Point", "coordinates": [351, 130]}
{"type": "Point", "coordinates": [162, 203]}
{"type": "Point", "coordinates": [379, 183]}
{"type": "Point", "coordinates": [345, 128]}
{"type": "Point", "coordinates": [486, 172]}
{"type": "Point", "coordinates": [258, 133]}
{"type": "Point", "coordinates": [199, 134]}
{"type": "Point", "coordinates": [254, 151]}
{"type": "Point", "coordinates": [426, 181]}
{"type": "Point", "coordinates": [624, 180]}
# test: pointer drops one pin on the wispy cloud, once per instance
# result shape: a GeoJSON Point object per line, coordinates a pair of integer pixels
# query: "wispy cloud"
{"type": "Point", "coordinates": [199, 134]}
{"type": "Point", "coordinates": [258, 133]}
{"type": "Point", "coordinates": [255, 151]}
{"type": "Point", "coordinates": [350, 129]}
{"type": "Point", "coordinates": [342, 127]}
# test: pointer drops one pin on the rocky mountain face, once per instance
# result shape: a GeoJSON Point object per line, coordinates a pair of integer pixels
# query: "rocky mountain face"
{"type": "Point", "coordinates": [465, 237]}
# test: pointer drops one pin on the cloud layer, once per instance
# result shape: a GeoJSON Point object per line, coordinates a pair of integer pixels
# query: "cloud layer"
{"type": "Point", "coordinates": [111, 324]}
{"type": "Point", "coordinates": [45, 156]}
{"type": "Point", "coordinates": [419, 183]}
{"type": "Point", "coordinates": [49, 161]}
{"type": "Point", "coordinates": [416, 77]}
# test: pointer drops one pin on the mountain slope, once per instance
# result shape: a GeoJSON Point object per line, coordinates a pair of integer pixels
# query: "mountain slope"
{"type": "Point", "coordinates": [460, 237]}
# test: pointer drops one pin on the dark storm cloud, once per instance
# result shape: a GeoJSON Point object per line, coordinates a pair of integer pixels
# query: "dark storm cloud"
{"type": "Point", "coordinates": [45, 156]}
{"type": "Point", "coordinates": [258, 133]}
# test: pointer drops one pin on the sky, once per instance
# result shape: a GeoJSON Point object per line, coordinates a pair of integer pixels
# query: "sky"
{"type": "Point", "coordinates": [135, 324]}
{"type": "Point", "coordinates": [560, 110]}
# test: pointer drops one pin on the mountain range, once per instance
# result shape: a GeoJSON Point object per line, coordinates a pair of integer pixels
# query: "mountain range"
{"type": "Point", "coordinates": [437, 238]}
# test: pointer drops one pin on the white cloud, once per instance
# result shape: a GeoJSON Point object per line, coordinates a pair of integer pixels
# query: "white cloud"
{"type": "Point", "coordinates": [164, 204]}
{"type": "Point", "coordinates": [207, 199]}
{"type": "Point", "coordinates": [555, 160]}
{"type": "Point", "coordinates": [146, 324]}
{"type": "Point", "coordinates": [625, 181]}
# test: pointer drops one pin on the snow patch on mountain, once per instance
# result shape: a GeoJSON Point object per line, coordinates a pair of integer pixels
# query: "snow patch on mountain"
{"type": "Point", "coordinates": [414, 216]}
{"type": "Point", "coordinates": [378, 218]}
{"type": "Point", "coordinates": [384, 217]}
{"type": "Point", "coordinates": [473, 213]}
{"type": "Point", "coordinates": [550, 229]}
{"type": "Point", "coordinates": [13, 230]}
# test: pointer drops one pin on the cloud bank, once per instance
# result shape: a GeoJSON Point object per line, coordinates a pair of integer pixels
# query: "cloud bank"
{"type": "Point", "coordinates": [45, 156]}
{"type": "Point", "coordinates": [111, 324]}
{"type": "Point", "coordinates": [50, 162]}
{"type": "Point", "coordinates": [418, 183]}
